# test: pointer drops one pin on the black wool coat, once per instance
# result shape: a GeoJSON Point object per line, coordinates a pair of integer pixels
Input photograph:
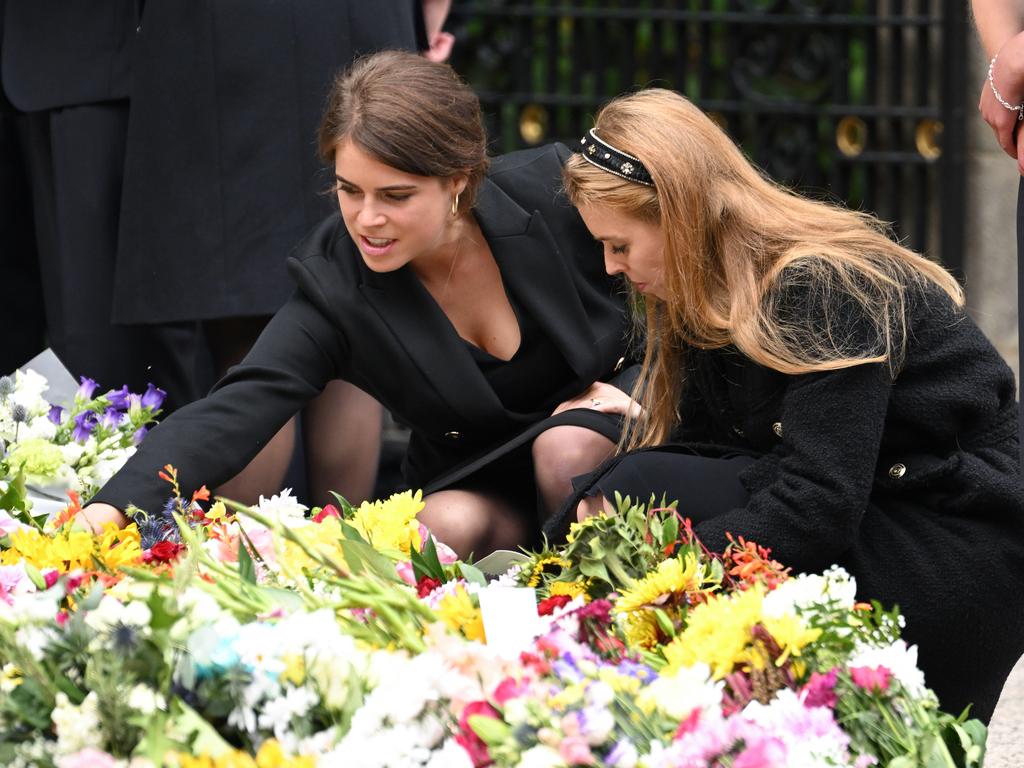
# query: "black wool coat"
{"type": "Point", "coordinates": [384, 333]}
{"type": "Point", "coordinates": [911, 483]}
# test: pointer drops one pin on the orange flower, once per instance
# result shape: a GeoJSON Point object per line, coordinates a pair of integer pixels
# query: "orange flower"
{"type": "Point", "coordinates": [67, 514]}
{"type": "Point", "coordinates": [203, 494]}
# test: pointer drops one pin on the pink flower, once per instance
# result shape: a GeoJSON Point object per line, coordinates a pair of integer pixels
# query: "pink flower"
{"type": "Point", "coordinates": [766, 753]}
{"type": "Point", "coordinates": [873, 680]}
{"type": "Point", "coordinates": [575, 751]}
{"type": "Point", "coordinates": [89, 757]}
{"type": "Point", "coordinates": [50, 577]}
{"type": "Point", "coordinates": [468, 740]}
{"type": "Point", "coordinates": [406, 572]}
{"type": "Point", "coordinates": [820, 690]}
{"type": "Point", "coordinates": [509, 688]}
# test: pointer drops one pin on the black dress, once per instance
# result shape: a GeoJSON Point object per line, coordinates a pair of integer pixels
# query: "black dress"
{"type": "Point", "coordinates": [911, 483]}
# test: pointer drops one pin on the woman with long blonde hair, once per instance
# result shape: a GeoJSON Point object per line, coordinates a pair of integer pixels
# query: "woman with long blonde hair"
{"type": "Point", "coordinates": [810, 384]}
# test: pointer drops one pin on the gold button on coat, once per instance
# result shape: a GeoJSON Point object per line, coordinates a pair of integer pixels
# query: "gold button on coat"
{"type": "Point", "coordinates": [453, 435]}
{"type": "Point", "coordinates": [777, 428]}
{"type": "Point", "coordinates": [896, 471]}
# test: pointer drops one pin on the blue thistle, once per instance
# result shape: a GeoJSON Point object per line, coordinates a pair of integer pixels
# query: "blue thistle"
{"type": "Point", "coordinates": [154, 528]}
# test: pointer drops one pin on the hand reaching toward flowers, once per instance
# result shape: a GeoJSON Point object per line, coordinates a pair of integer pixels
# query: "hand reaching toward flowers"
{"type": "Point", "coordinates": [1001, 29]}
{"type": "Point", "coordinates": [93, 517]}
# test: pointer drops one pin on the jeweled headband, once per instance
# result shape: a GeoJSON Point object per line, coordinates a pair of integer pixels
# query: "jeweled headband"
{"type": "Point", "coordinates": [606, 157]}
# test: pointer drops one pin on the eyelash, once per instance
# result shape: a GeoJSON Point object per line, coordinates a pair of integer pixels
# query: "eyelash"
{"type": "Point", "coordinates": [619, 249]}
{"type": "Point", "coordinates": [397, 198]}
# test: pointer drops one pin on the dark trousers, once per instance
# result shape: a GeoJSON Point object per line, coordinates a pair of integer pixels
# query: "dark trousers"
{"type": "Point", "coordinates": [71, 167]}
{"type": "Point", "coordinates": [1020, 303]}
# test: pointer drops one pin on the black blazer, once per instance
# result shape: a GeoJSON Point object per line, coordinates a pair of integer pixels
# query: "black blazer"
{"type": "Point", "coordinates": [221, 171]}
{"type": "Point", "coordinates": [60, 53]}
{"type": "Point", "coordinates": [385, 333]}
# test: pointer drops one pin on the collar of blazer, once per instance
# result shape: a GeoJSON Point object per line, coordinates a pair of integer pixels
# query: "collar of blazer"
{"type": "Point", "coordinates": [534, 271]}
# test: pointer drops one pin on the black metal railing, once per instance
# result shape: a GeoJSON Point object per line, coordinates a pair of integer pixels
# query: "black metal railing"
{"type": "Point", "coordinates": [856, 100]}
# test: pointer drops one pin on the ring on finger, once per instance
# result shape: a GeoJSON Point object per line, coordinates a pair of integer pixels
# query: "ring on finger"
{"type": "Point", "coordinates": [594, 402]}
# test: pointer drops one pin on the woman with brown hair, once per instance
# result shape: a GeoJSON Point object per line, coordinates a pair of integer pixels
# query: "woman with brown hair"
{"type": "Point", "coordinates": [463, 294]}
{"type": "Point", "coordinates": [811, 385]}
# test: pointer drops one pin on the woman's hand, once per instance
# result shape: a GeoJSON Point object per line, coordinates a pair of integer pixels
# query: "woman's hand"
{"type": "Point", "coordinates": [603, 397]}
{"type": "Point", "coordinates": [1008, 77]}
{"type": "Point", "coordinates": [93, 517]}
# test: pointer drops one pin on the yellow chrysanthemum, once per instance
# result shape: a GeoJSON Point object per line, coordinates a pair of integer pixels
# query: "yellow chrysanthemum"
{"type": "Point", "coordinates": [640, 629]}
{"type": "Point", "coordinates": [459, 614]}
{"type": "Point", "coordinates": [719, 633]}
{"type": "Point", "coordinates": [391, 524]}
{"type": "Point", "coordinates": [570, 588]}
{"type": "Point", "coordinates": [119, 546]}
{"type": "Point", "coordinates": [672, 578]}
{"type": "Point", "coordinates": [65, 550]}
{"type": "Point", "coordinates": [544, 565]}
{"type": "Point", "coordinates": [791, 634]}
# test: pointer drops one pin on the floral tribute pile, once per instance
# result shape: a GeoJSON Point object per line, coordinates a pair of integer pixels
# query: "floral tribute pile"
{"type": "Point", "coordinates": [210, 635]}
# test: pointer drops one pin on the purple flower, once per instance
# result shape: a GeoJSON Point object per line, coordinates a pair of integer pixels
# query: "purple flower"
{"type": "Point", "coordinates": [86, 388]}
{"type": "Point", "coordinates": [139, 435]}
{"type": "Point", "coordinates": [153, 397]}
{"type": "Point", "coordinates": [111, 418]}
{"type": "Point", "coordinates": [118, 398]}
{"type": "Point", "coordinates": [56, 414]}
{"type": "Point", "coordinates": [85, 423]}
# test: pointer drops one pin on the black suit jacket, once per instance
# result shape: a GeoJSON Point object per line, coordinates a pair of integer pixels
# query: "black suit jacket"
{"type": "Point", "coordinates": [59, 53]}
{"type": "Point", "coordinates": [385, 333]}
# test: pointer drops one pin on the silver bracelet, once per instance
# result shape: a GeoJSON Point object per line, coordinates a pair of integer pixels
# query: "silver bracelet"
{"type": "Point", "coordinates": [1019, 108]}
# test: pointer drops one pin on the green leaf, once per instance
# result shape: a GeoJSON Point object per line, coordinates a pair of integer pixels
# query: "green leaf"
{"type": "Point", "coordinates": [246, 568]}
{"type": "Point", "coordinates": [670, 531]}
{"type": "Point", "coordinates": [362, 557]}
{"type": "Point", "coordinates": [664, 622]}
{"type": "Point", "coordinates": [492, 731]}
{"type": "Point", "coordinates": [431, 562]}
{"type": "Point", "coordinates": [472, 574]}
{"type": "Point", "coordinates": [903, 761]}
{"type": "Point", "coordinates": [34, 575]}
{"type": "Point", "coordinates": [346, 509]}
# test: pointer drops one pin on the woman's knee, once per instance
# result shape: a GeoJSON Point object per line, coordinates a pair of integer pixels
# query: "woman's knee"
{"type": "Point", "coordinates": [470, 522]}
{"type": "Point", "coordinates": [566, 451]}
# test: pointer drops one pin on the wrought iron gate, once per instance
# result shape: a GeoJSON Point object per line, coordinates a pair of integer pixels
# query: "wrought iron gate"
{"type": "Point", "coordinates": [858, 100]}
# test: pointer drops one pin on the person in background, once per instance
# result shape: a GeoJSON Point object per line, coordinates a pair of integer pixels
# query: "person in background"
{"type": "Point", "coordinates": [811, 385]}
{"type": "Point", "coordinates": [1000, 25]}
{"type": "Point", "coordinates": [65, 67]}
{"type": "Point", "coordinates": [463, 294]}
{"type": "Point", "coordinates": [222, 178]}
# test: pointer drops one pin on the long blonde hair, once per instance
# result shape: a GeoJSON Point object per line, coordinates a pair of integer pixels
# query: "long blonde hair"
{"type": "Point", "coordinates": [735, 243]}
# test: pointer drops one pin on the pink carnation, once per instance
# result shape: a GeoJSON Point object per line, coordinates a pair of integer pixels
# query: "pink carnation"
{"type": "Point", "coordinates": [871, 679]}
{"type": "Point", "coordinates": [820, 690]}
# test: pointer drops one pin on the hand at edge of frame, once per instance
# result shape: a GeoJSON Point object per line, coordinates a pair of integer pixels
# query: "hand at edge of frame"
{"type": "Point", "coordinates": [1008, 76]}
{"type": "Point", "coordinates": [92, 517]}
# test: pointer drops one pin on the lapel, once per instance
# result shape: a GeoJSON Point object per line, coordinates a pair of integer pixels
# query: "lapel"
{"type": "Point", "coordinates": [536, 274]}
{"type": "Point", "coordinates": [533, 271]}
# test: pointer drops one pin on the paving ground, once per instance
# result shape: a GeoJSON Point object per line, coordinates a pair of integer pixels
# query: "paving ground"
{"type": "Point", "coordinates": [1006, 731]}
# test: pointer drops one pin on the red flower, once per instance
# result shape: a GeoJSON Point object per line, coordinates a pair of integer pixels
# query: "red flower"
{"type": "Point", "coordinates": [328, 511]}
{"type": "Point", "coordinates": [547, 607]}
{"type": "Point", "coordinates": [164, 552]}
{"type": "Point", "coordinates": [468, 740]}
{"type": "Point", "coordinates": [509, 688]}
{"type": "Point", "coordinates": [50, 578]}
{"type": "Point", "coordinates": [426, 585]}
{"type": "Point", "coordinates": [688, 724]}
{"type": "Point", "coordinates": [872, 680]}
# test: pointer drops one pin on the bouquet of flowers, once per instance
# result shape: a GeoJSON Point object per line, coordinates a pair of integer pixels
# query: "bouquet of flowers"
{"type": "Point", "coordinates": [47, 451]}
{"type": "Point", "coordinates": [276, 635]}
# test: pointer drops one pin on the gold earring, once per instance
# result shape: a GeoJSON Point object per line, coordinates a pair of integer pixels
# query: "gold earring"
{"type": "Point", "coordinates": [455, 205]}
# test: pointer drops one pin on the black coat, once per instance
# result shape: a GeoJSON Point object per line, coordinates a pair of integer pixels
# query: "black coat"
{"type": "Point", "coordinates": [221, 170]}
{"type": "Point", "coordinates": [912, 484]}
{"type": "Point", "coordinates": [384, 333]}
{"type": "Point", "coordinates": [61, 53]}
